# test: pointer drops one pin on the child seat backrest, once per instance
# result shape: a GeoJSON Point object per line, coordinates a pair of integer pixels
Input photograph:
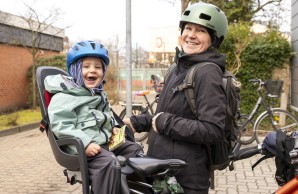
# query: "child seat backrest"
{"type": "Point", "coordinates": [48, 97]}
{"type": "Point", "coordinates": [45, 96]}
{"type": "Point", "coordinates": [77, 162]}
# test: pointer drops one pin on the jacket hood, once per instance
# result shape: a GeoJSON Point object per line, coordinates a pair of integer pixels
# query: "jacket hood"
{"type": "Point", "coordinates": [65, 84]}
{"type": "Point", "coordinates": [210, 55]}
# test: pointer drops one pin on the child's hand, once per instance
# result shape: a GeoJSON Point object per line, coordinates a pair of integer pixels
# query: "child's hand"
{"type": "Point", "coordinates": [92, 149]}
{"type": "Point", "coordinates": [115, 130]}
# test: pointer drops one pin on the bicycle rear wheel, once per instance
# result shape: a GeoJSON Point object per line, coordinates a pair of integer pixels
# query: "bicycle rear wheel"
{"type": "Point", "coordinates": [282, 119]}
{"type": "Point", "coordinates": [246, 134]}
{"type": "Point", "coordinates": [136, 110]}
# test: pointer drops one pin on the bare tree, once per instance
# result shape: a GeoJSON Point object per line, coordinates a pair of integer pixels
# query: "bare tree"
{"type": "Point", "coordinates": [242, 10]}
{"type": "Point", "coordinates": [43, 35]}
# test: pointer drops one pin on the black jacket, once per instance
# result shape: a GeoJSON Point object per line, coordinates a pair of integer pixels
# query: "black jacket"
{"type": "Point", "coordinates": [182, 134]}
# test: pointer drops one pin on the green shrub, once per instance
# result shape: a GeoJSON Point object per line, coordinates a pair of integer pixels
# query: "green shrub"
{"type": "Point", "coordinates": [252, 56]}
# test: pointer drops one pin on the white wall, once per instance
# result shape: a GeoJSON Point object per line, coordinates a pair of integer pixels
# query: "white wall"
{"type": "Point", "coordinates": [294, 66]}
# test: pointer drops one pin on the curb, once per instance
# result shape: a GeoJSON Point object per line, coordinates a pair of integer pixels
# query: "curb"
{"type": "Point", "coordinates": [19, 129]}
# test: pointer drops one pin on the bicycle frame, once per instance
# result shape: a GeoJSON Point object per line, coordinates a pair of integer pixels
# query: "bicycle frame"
{"type": "Point", "coordinates": [260, 102]}
{"type": "Point", "coordinates": [148, 106]}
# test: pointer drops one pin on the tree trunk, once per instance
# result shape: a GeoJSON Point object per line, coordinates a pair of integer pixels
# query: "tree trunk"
{"type": "Point", "coordinates": [34, 100]}
{"type": "Point", "coordinates": [184, 4]}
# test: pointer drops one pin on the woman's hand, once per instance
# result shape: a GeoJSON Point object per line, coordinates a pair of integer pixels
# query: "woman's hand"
{"type": "Point", "coordinates": [127, 122]}
{"type": "Point", "coordinates": [153, 122]}
{"type": "Point", "coordinates": [92, 149]}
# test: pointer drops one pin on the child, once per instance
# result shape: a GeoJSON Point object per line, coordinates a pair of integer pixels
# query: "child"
{"type": "Point", "coordinates": [80, 108]}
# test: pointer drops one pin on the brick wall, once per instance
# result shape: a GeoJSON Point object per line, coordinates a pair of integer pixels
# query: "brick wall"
{"type": "Point", "coordinates": [14, 64]}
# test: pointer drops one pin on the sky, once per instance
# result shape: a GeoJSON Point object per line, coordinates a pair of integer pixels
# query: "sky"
{"type": "Point", "coordinates": [104, 19]}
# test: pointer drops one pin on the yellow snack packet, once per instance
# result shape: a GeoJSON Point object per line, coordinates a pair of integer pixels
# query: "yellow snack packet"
{"type": "Point", "coordinates": [117, 139]}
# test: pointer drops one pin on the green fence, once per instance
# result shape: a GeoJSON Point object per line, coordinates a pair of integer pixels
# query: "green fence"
{"type": "Point", "coordinates": [141, 79]}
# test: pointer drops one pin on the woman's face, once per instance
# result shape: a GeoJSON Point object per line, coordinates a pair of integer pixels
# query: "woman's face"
{"type": "Point", "coordinates": [195, 39]}
{"type": "Point", "coordinates": [92, 71]}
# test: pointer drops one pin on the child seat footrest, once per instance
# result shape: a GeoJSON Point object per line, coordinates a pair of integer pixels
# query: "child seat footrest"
{"type": "Point", "coordinates": [73, 177]}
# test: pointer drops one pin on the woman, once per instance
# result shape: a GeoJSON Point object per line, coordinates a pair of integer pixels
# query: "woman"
{"type": "Point", "coordinates": [177, 132]}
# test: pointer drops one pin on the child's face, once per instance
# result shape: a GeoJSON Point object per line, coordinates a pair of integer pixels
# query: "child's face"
{"type": "Point", "coordinates": [92, 71]}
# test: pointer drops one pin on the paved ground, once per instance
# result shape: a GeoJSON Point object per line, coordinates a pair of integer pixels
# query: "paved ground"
{"type": "Point", "coordinates": [28, 166]}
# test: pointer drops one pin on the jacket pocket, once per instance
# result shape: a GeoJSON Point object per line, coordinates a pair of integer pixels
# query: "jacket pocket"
{"type": "Point", "coordinates": [86, 124]}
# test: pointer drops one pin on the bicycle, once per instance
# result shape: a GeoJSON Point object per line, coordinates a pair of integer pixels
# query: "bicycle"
{"type": "Point", "coordinates": [290, 187]}
{"type": "Point", "coordinates": [277, 118]}
{"type": "Point", "coordinates": [139, 108]}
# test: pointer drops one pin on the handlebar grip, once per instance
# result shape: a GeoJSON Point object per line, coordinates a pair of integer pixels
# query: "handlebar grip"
{"type": "Point", "coordinates": [245, 153]}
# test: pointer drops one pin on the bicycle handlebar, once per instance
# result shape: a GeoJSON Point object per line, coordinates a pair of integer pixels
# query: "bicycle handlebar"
{"type": "Point", "coordinates": [245, 153]}
{"type": "Point", "coordinates": [257, 81]}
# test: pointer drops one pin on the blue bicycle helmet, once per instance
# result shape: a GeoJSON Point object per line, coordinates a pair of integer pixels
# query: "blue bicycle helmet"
{"type": "Point", "coordinates": [87, 49]}
{"type": "Point", "coordinates": [269, 142]}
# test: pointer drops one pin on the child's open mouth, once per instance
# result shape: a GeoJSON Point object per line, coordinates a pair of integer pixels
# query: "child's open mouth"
{"type": "Point", "coordinates": [91, 78]}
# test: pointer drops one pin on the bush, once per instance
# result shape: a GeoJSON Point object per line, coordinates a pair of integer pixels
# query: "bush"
{"type": "Point", "coordinates": [111, 86]}
{"type": "Point", "coordinates": [12, 119]}
{"type": "Point", "coordinates": [252, 56]}
{"type": "Point", "coordinates": [262, 55]}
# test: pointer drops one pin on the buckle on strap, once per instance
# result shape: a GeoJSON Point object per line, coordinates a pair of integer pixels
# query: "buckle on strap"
{"type": "Point", "coordinates": [183, 86]}
{"type": "Point", "coordinates": [44, 124]}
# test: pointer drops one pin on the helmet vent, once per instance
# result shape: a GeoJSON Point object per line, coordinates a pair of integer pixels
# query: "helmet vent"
{"type": "Point", "coordinates": [76, 48]}
{"type": "Point", "coordinates": [93, 45]}
{"type": "Point", "coordinates": [186, 13]}
{"type": "Point", "coordinates": [81, 44]}
{"type": "Point", "coordinates": [205, 16]}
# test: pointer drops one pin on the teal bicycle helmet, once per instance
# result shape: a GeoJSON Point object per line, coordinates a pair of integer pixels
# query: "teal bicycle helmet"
{"type": "Point", "coordinates": [87, 49]}
{"type": "Point", "coordinates": [209, 16]}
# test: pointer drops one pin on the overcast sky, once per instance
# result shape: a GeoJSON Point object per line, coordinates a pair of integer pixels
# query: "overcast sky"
{"type": "Point", "coordinates": [103, 19]}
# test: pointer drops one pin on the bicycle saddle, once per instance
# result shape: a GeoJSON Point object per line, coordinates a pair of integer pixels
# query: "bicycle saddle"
{"type": "Point", "coordinates": [147, 166]}
{"type": "Point", "coordinates": [141, 93]}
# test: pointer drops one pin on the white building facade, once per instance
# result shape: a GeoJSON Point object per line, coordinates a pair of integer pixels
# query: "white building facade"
{"type": "Point", "coordinates": [294, 65]}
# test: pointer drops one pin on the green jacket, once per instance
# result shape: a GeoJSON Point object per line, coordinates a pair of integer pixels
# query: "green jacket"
{"type": "Point", "coordinates": [76, 111]}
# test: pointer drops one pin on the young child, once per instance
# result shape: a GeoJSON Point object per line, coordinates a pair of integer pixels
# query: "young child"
{"type": "Point", "coordinates": [80, 108]}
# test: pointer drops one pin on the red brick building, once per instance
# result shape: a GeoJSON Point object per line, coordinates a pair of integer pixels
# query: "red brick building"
{"type": "Point", "coordinates": [15, 58]}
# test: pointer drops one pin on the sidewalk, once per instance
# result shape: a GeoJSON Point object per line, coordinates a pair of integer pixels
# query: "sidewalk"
{"type": "Point", "coordinates": [28, 166]}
